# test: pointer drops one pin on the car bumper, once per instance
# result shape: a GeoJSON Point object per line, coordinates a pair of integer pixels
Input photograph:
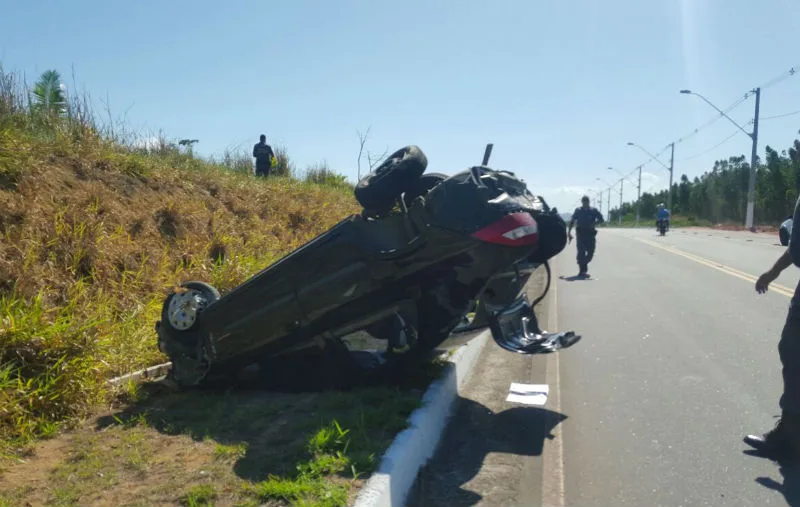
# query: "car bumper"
{"type": "Point", "coordinates": [516, 329]}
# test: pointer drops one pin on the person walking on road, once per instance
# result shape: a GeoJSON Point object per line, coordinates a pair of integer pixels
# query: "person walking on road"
{"type": "Point", "coordinates": [585, 220]}
{"type": "Point", "coordinates": [783, 441]}
{"type": "Point", "coordinates": [264, 156]}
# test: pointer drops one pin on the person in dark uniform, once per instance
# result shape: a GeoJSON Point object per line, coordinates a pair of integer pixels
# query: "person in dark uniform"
{"type": "Point", "coordinates": [585, 219]}
{"type": "Point", "coordinates": [263, 154]}
{"type": "Point", "coordinates": [782, 443]}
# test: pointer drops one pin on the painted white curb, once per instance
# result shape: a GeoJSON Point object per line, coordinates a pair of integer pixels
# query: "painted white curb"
{"type": "Point", "coordinates": [152, 372]}
{"type": "Point", "coordinates": [413, 447]}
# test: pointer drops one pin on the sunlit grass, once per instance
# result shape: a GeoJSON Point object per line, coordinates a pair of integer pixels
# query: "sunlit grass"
{"type": "Point", "coordinates": [94, 232]}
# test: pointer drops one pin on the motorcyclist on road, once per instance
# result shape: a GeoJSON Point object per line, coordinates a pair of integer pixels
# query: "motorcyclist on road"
{"type": "Point", "coordinates": [662, 214]}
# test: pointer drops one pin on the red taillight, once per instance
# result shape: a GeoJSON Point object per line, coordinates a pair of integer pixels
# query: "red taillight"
{"type": "Point", "coordinates": [515, 229]}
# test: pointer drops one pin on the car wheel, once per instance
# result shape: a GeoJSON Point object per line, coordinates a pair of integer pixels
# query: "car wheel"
{"type": "Point", "coordinates": [422, 186]}
{"type": "Point", "coordinates": [377, 191]}
{"type": "Point", "coordinates": [784, 236]}
{"type": "Point", "coordinates": [183, 307]}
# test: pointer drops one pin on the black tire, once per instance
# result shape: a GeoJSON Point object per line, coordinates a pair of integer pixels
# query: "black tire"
{"type": "Point", "coordinates": [210, 294]}
{"type": "Point", "coordinates": [377, 191]}
{"type": "Point", "coordinates": [422, 186]}
{"type": "Point", "coordinates": [784, 236]}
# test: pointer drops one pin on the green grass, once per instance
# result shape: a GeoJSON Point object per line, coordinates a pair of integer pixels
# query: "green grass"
{"type": "Point", "coordinates": [677, 221]}
{"type": "Point", "coordinates": [85, 266]}
{"type": "Point", "coordinates": [202, 495]}
{"type": "Point", "coordinates": [310, 449]}
{"type": "Point", "coordinates": [226, 452]}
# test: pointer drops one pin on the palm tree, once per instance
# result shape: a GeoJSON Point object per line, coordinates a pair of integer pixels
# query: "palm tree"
{"type": "Point", "coordinates": [48, 93]}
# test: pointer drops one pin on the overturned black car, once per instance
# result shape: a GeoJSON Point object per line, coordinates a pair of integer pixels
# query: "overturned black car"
{"type": "Point", "coordinates": [380, 289]}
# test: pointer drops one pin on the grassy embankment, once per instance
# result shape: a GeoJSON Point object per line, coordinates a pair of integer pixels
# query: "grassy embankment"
{"type": "Point", "coordinates": [93, 233]}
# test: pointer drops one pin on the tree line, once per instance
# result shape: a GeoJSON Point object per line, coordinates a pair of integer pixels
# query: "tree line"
{"type": "Point", "coordinates": [720, 195]}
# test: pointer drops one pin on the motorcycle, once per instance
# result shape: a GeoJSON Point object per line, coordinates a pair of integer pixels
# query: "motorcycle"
{"type": "Point", "coordinates": [379, 290]}
{"type": "Point", "coordinates": [662, 226]}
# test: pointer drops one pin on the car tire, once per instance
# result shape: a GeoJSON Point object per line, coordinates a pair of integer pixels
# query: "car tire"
{"type": "Point", "coordinates": [378, 191]}
{"type": "Point", "coordinates": [422, 186]}
{"type": "Point", "coordinates": [182, 329]}
{"type": "Point", "coordinates": [784, 237]}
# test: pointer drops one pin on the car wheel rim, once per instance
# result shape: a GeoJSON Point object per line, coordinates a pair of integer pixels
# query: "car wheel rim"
{"type": "Point", "coordinates": [184, 308]}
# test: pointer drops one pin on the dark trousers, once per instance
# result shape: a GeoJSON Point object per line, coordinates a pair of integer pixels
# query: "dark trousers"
{"type": "Point", "coordinates": [262, 169]}
{"type": "Point", "coordinates": [789, 350]}
{"type": "Point", "coordinates": [586, 241]}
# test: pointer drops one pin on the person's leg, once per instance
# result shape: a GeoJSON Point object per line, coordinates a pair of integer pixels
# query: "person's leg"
{"type": "Point", "coordinates": [591, 243]}
{"type": "Point", "coordinates": [784, 440]}
{"type": "Point", "coordinates": [789, 351]}
{"type": "Point", "coordinates": [581, 243]}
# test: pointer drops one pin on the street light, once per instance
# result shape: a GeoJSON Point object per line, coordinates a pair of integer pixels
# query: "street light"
{"type": "Point", "coordinates": [638, 190]}
{"type": "Point", "coordinates": [619, 219]}
{"type": "Point", "coordinates": [668, 168]}
{"type": "Point", "coordinates": [601, 180]}
{"type": "Point", "coordinates": [751, 185]}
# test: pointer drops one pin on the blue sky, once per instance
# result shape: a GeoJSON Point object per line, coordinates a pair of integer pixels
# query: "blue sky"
{"type": "Point", "coordinates": [558, 86]}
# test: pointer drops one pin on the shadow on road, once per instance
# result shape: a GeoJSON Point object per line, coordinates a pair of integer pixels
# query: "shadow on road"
{"type": "Point", "coordinates": [463, 452]}
{"type": "Point", "coordinates": [790, 488]}
{"type": "Point", "coordinates": [575, 278]}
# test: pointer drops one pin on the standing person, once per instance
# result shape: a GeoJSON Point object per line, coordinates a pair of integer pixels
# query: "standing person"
{"type": "Point", "coordinates": [783, 441]}
{"type": "Point", "coordinates": [263, 154]}
{"type": "Point", "coordinates": [586, 218]}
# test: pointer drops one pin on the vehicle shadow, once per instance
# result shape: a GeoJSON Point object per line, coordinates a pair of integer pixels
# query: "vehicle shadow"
{"type": "Point", "coordinates": [789, 488]}
{"type": "Point", "coordinates": [475, 433]}
{"type": "Point", "coordinates": [263, 428]}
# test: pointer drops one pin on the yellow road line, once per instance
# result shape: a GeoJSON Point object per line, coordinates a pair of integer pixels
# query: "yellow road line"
{"type": "Point", "coordinates": [780, 289]}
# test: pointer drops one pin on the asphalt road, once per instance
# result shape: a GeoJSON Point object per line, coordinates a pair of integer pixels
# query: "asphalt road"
{"type": "Point", "coordinates": [492, 451]}
{"type": "Point", "coordinates": [679, 360]}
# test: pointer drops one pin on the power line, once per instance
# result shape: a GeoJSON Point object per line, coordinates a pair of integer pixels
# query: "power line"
{"type": "Point", "coordinates": [713, 147]}
{"type": "Point", "coordinates": [782, 77]}
{"type": "Point", "coordinates": [711, 121]}
{"type": "Point", "coordinates": [779, 116]}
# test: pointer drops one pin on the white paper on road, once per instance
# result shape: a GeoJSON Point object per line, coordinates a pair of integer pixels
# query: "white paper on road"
{"type": "Point", "coordinates": [528, 394]}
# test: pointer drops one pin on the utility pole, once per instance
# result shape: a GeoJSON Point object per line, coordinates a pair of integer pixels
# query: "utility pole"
{"type": "Point", "coordinates": [620, 201]}
{"type": "Point", "coordinates": [751, 185]}
{"type": "Point", "coordinates": [600, 202]}
{"type": "Point", "coordinates": [609, 204]}
{"type": "Point", "coordinates": [638, 196]}
{"type": "Point", "coordinates": [671, 167]}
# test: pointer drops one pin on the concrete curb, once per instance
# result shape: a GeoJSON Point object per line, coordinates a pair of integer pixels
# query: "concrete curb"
{"type": "Point", "coordinates": [152, 372]}
{"type": "Point", "coordinates": [413, 447]}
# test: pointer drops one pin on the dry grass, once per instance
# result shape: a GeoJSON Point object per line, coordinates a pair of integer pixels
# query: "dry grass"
{"type": "Point", "coordinates": [92, 235]}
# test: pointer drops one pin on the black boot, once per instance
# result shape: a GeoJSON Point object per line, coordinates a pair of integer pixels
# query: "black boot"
{"type": "Point", "coordinates": [780, 443]}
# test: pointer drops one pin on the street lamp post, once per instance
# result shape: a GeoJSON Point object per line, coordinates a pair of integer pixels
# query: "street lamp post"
{"type": "Point", "coordinates": [601, 180]}
{"type": "Point", "coordinates": [751, 184]}
{"type": "Point", "coordinates": [619, 218]}
{"type": "Point", "coordinates": [669, 168]}
{"type": "Point", "coordinates": [638, 190]}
